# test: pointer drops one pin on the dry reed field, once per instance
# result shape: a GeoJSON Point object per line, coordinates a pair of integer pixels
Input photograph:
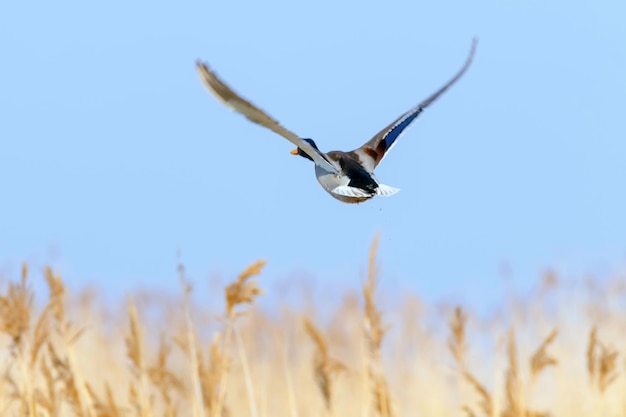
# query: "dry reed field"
{"type": "Point", "coordinates": [558, 352]}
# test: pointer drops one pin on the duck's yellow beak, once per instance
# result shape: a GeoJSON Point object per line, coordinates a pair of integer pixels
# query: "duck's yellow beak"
{"type": "Point", "coordinates": [294, 152]}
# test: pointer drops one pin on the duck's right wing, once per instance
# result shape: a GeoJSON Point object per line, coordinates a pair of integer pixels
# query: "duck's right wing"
{"type": "Point", "coordinates": [373, 151]}
{"type": "Point", "coordinates": [256, 115]}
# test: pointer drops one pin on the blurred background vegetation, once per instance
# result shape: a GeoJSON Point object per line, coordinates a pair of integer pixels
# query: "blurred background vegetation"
{"type": "Point", "coordinates": [556, 351]}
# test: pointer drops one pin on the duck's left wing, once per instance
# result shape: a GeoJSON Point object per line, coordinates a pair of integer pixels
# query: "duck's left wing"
{"type": "Point", "coordinates": [234, 101]}
{"type": "Point", "coordinates": [373, 151]}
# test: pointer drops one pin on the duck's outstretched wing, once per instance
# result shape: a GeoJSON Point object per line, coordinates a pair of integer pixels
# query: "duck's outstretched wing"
{"type": "Point", "coordinates": [373, 151]}
{"type": "Point", "coordinates": [256, 115]}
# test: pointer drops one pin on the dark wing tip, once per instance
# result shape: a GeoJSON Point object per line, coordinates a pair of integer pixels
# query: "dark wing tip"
{"type": "Point", "coordinates": [472, 52]}
{"type": "Point", "coordinates": [459, 74]}
{"type": "Point", "coordinates": [474, 44]}
{"type": "Point", "coordinates": [200, 64]}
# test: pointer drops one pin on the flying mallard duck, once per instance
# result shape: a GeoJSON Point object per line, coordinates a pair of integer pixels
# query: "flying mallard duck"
{"type": "Point", "coordinates": [347, 176]}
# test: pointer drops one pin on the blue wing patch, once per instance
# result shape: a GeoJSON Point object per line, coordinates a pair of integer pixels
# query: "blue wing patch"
{"type": "Point", "coordinates": [395, 132]}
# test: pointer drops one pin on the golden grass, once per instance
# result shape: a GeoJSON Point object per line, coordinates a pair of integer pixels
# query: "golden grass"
{"type": "Point", "coordinates": [324, 367]}
{"type": "Point", "coordinates": [558, 353]}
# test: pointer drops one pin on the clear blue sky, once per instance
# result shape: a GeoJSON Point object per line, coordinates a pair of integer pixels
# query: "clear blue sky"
{"type": "Point", "coordinates": [114, 157]}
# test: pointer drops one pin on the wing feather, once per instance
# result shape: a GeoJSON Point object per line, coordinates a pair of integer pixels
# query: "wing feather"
{"type": "Point", "coordinates": [237, 103]}
{"type": "Point", "coordinates": [377, 147]}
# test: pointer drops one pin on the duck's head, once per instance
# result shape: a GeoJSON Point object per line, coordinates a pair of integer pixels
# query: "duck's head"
{"type": "Point", "coordinates": [303, 154]}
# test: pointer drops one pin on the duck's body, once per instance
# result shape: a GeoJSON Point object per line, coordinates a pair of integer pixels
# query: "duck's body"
{"type": "Point", "coordinates": [347, 176]}
{"type": "Point", "coordinates": [353, 183]}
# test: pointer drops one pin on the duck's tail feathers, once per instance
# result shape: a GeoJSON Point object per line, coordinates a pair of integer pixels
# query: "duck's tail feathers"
{"type": "Point", "coordinates": [385, 190]}
{"type": "Point", "coordinates": [348, 191]}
